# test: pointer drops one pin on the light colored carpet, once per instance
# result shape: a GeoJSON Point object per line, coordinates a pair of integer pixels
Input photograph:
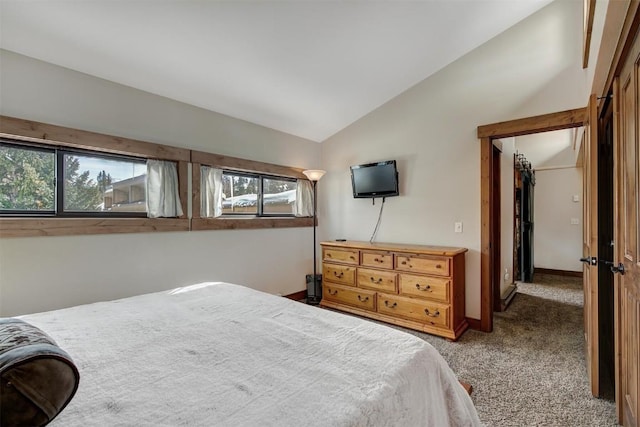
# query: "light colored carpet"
{"type": "Point", "coordinates": [530, 371]}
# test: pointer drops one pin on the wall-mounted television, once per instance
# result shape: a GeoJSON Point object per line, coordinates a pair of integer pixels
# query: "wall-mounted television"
{"type": "Point", "coordinates": [372, 180]}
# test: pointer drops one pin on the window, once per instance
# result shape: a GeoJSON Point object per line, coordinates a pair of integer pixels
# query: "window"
{"type": "Point", "coordinates": [27, 180]}
{"type": "Point", "coordinates": [257, 195]}
{"type": "Point", "coordinates": [56, 182]}
{"type": "Point", "coordinates": [98, 184]}
{"type": "Point", "coordinates": [279, 196]}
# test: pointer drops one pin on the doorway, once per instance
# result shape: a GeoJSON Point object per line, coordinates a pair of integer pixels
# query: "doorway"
{"type": "Point", "coordinates": [540, 124]}
{"type": "Point", "coordinates": [549, 122]}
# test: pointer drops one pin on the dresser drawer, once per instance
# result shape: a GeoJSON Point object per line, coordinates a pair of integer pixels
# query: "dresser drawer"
{"type": "Point", "coordinates": [377, 280]}
{"type": "Point", "coordinates": [377, 259]}
{"type": "Point", "coordinates": [423, 264]}
{"type": "Point", "coordinates": [339, 274]}
{"type": "Point", "coordinates": [433, 288]}
{"type": "Point", "coordinates": [348, 295]}
{"type": "Point", "coordinates": [346, 256]}
{"type": "Point", "coordinates": [414, 309]}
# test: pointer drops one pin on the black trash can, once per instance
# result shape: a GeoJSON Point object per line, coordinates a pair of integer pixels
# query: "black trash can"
{"type": "Point", "coordinates": [314, 289]}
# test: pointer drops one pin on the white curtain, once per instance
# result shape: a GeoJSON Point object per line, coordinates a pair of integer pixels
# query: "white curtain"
{"type": "Point", "coordinates": [304, 198]}
{"type": "Point", "coordinates": [163, 198]}
{"type": "Point", "coordinates": [210, 192]}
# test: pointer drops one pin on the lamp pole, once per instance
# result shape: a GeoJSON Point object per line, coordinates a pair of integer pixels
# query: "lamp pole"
{"type": "Point", "coordinates": [315, 266]}
{"type": "Point", "coordinates": [313, 290]}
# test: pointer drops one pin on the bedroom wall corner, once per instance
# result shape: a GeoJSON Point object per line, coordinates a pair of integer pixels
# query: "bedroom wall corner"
{"type": "Point", "coordinates": [431, 131]}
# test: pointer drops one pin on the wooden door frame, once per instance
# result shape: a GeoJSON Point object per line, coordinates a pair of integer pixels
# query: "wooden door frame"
{"type": "Point", "coordinates": [496, 267]}
{"type": "Point", "coordinates": [487, 133]}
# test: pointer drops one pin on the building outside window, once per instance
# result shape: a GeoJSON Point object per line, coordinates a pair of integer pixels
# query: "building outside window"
{"type": "Point", "coordinates": [255, 194]}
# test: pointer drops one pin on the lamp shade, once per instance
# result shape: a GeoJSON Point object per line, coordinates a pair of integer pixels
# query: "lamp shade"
{"type": "Point", "coordinates": [314, 174]}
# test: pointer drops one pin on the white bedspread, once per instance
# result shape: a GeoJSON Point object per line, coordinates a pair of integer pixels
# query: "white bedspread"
{"type": "Point", "coordinates": [217, 354]}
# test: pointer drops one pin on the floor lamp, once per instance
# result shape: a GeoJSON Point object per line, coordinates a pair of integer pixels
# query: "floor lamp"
{"type": "Point", "coordinates": [314, 283]}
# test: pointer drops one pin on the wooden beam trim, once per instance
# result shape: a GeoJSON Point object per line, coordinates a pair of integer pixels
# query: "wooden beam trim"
{"type": "Point", "coordinates": [486, 323]}
{"type": "Point", "coordinates": [31, 227]}
{"type": "Point", "coordinates": [195, 190]}
{"type": "Point", "coordinates": [590, 6]}
{"type": "Point", "coordinates": [183, 187]}
{"type": "Point", "coordinates": [526, 126]}
{"type": "Point", "coordinates": [31, 131]}
{"type": "Point", "coordinates": [248, 223]}
{"type": "Point", "coordinates": [244, 165]}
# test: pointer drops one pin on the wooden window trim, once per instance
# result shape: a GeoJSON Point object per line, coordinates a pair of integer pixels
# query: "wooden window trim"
{"type": "Point", "coordinates": [31, 227]}
{"type": "Point", "coordinates": [244, 165]}
{"type": "Point", "coordinates": [252, 223]}
{"type": "Point", "coordinates": [53, 135]}
{"type": "Point", "coordinates": [27, 130]}
{"type": "Point", "coordinates": [199, 158]}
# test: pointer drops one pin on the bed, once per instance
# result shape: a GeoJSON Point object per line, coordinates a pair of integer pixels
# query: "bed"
{"type": "Point", "coordinates": [218, 354]}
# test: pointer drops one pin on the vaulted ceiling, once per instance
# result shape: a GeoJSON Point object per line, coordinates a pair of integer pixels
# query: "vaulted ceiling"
{"type": "Point", "coordinates": [308, 68]}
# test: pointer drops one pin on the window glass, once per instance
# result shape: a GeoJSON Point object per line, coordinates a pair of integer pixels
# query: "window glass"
{"type": "Point", "coordinates": [27, 179]}
{"type": "Point", "coordinates": [239, 194]}
{"type": "Point", "coordinates": [102, 184]}
{"type": "Point", "coordinates": [279, 196]}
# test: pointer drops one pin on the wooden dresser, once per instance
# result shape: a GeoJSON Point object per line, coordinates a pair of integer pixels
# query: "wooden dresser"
{"type": "Point", "coordinates": [415, 286]}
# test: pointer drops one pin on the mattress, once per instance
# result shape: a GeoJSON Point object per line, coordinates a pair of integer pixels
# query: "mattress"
{"type": "Point", "coordinates": [219, 354]}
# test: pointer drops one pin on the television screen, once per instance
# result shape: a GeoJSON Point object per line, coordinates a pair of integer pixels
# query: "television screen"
{"type": "Point", "coordinates": [375, 179]}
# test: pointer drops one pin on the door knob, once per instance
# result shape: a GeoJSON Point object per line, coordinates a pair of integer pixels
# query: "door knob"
{"type": "Point", "coordinates": [614, 268]}
{"type": "Point", "coordinates": [591, 260]}
{"type": "Point", "coordinates": [618, 269]}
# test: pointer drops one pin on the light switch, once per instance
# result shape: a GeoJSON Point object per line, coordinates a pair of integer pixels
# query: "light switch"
{"type": "Point", "coordinates": [576, 198]}
{"type": "Point", "coordinates": [458, 227]}
{"type": "Point", "coordinates": [575, 221]}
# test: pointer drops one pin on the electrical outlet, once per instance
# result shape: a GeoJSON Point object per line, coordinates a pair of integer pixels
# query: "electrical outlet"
{"type": "Point", "coordinates": [457, 227]}
{"type": "Point", "coordinates": [575, 221]}
{"type": "Point", "coordinates": [576, 198]}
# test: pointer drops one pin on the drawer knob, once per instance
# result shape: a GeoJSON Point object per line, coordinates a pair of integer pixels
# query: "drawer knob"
{"type": "Point", "coordinates": [386, 303]}
{"type": "Point", "coordinates": [339, 276]}
{"type": "Point", "coordinates": [376, 281]}
{"type": "Point", "coordinates": [404, 263]}
{"type": "Point", "coordinates": [328, 255]}
{"type": "Point", "coordinates": [427, 288]}
{"type": "Point", "coordinates": [378, 260]}
{"type": "Point", "coordinates": [332, 293]}
{"type": "Point", "coordinates": [365, 299]}
{"type": "Point", "coordinates": [428, 313]}
{"type": "Point", "coordinates": [352, 257]}
{"type": "Point", "coordinates": [438, 266]}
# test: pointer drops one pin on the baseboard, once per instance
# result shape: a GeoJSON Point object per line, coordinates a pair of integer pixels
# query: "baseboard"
{"type": "Point", "coordinates": [474, 324]}
{"type": "Point", "coordinates": [507, 296]}
{"type": "Point", "coordinates": [557, 272]}
{"type": "Point", "coordinates": [298, 296]}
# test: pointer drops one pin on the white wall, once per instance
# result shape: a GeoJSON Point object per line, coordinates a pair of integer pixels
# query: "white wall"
{"type": "Point", "coordinates": [43, 273]}
{"type": "Point", "coordinates": [533, 68]}
{"type": "Point", "coordinates": [557, 244]}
